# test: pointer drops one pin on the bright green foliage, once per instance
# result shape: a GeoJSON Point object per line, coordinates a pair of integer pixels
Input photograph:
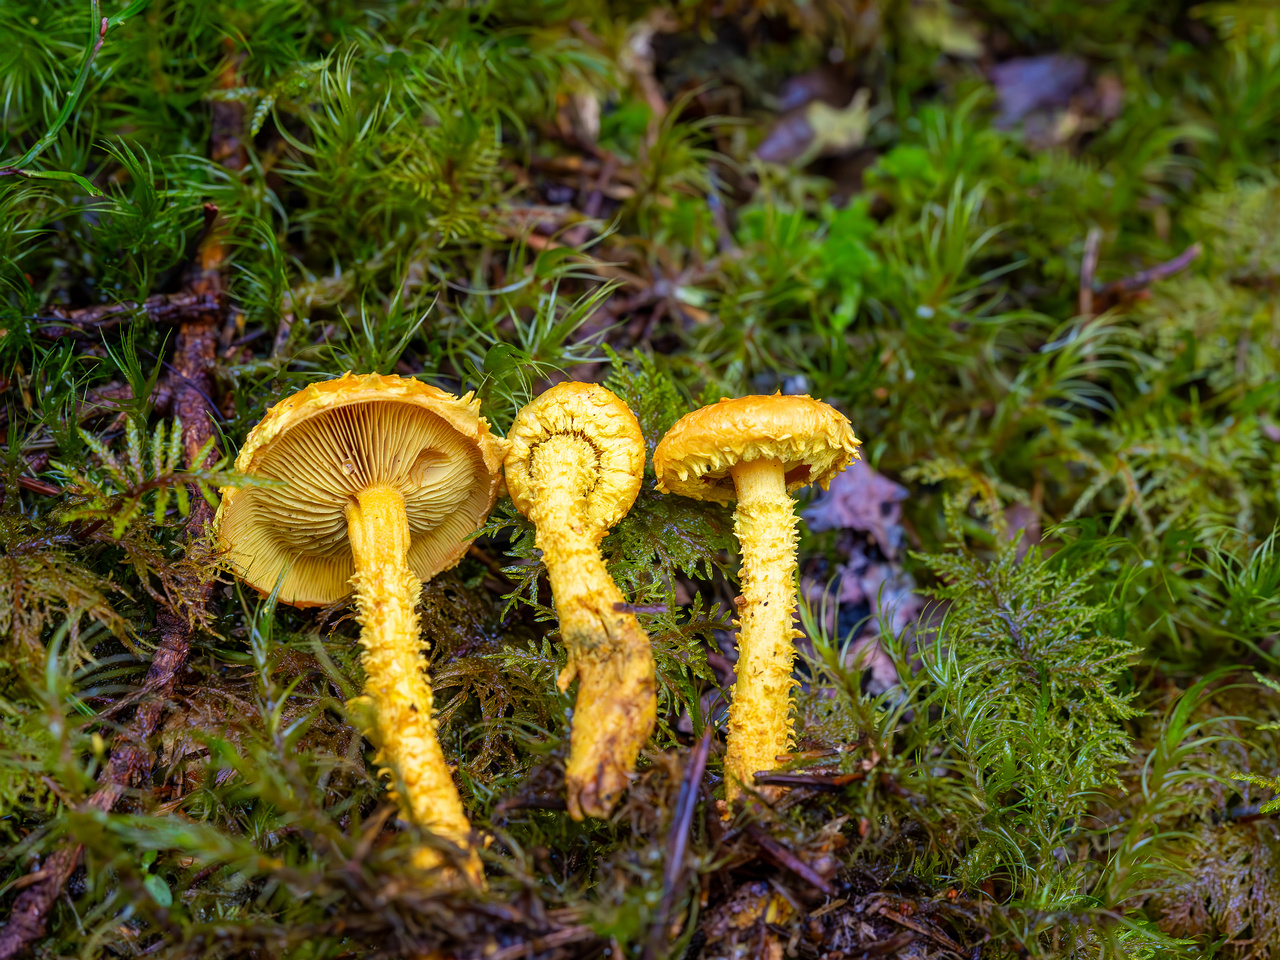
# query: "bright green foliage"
{"type": "Point", "coordinates": [1033, 698]}
{"type": "Point", "coordinates": [985, 810]}
{"type": "Point", "coordinates": [150, 470]}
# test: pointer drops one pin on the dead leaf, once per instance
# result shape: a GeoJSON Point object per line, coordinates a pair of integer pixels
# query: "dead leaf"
{"type": "Point", "coordinates": [739, 927]}
{"type": "Point", "coordinates": [817, 130]}
{"type": "Point", "coordinates": [788, 139]}
{"type": "Point", "coordinates": [861, 498]}
{"type": "Point", "coordinates": [821, 84]}
{"type": "Point", "coordinates": [941, 24]}
{"type": "Point", "coordinates": [1027, 84]}
{"type": "Point", "coordinates": [869, 596]}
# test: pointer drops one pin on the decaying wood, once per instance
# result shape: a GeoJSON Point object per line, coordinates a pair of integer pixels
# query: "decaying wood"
{"type": "Point", "coordinates": [780, 855]}
{"type": "Point", "coordinates": [30, 912]}
{"type": "Point", "coordinates": [1093, 300]}
{"type": "Point", "coordinates": [132, 758]}
{"type": "Point", "coordinates": [89, 323]}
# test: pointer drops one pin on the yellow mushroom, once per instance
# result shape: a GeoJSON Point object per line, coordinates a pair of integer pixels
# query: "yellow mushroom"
{"type": "Point", "coordinates": [574, 468]}
{"type": "Point", "coordinates": [383, 482]}
{"type": "Point", "coordinates": [758, 450]}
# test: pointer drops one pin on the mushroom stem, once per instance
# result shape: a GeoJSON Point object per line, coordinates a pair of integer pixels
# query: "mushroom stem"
{"type": "Point", "coordinates": [396, 685]}
{"type": "Point", "coordinates": [759, 717]}
{"type": "Point", "coordinates": [609, 652]}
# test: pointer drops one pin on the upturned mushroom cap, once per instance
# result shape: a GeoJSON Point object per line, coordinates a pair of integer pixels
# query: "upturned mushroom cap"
{"type": "Point", "coordinates": [812, 439]}
{"type": "Point", "coordinates": [610, 433]}
{"type": "Point", "coordinates": [335, 438]}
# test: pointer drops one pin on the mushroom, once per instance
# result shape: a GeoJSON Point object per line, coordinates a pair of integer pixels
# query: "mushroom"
{"type": "Point", "coordinates": [382, 482]}
{"type": "Point", "coordinates": [758, 450]}
{"type": "Point", "coordinates": [574, 468]}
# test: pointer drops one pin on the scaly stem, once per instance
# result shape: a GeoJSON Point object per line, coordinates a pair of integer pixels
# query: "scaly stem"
{"type": "Point", "coordinates": [609, 652]}
{"type": "Point", "coordinates": [760, 715]}
{"type": "Point", "coordinates": [397, 687]}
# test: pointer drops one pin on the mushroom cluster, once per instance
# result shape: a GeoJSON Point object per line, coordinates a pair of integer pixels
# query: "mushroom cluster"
{"type": "Point", "coordinates": [381, 483]}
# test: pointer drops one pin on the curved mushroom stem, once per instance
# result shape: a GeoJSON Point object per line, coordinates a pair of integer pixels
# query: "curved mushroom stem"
{"type": "Point", "coordinates": [397, 687]}
{"type": "Point", "coordinates": [609, 652]}
{"type": "Point", "coordinates": [759, 717]}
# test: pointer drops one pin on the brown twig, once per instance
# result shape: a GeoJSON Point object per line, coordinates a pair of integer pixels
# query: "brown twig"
{"type": "Point", "coordinates": [937, 936]}
{"type": "Point", "coordinates": [577, 235]}
{"type": "Point", "coordinates": [887, 947]}
{"type": "Point", "coordinates": [226, 128]}
{"type": "Point", "coordinates": [557, 938]}
{"type": "Point", "coordinates": [596, 198]}
{"type": "Point", "coordinates": [39, 486]}
{"type": "Point", "coordinates": [30, 911]}
{"type": "Point", "coordinates": [677, 843]}
{"type": "Point", "coordinates": [1088, 266]}
{"type": "Point", "coordinates": [27, 918]}
{"type": "Point", "coordinates": [784, 858]}
{"type": "Point", "coordinates": [1127, 288]}
{"type": "Point", "coordinates": [1248, 813]}
{"type": "Point", "coordinates": [87, 323]}
{"type": "Point", "coordinates": [843, 748]}
{"type": "Point", "coordinates": [814, 781]}
{"type": "Point", "coordinates": [621, 607]}
{"type": "Point", "coordinates": [1160, 271]}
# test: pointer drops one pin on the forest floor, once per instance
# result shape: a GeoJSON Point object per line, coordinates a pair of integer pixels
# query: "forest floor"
{"type": "Point", "coordinates": [1030, 248]}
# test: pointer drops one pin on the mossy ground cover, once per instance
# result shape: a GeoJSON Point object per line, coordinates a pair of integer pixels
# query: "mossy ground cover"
{"type": "Point", "coordinates": [1031, 249]}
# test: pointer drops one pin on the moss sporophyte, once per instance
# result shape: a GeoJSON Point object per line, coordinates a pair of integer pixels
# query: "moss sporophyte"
{"type": "Point", "coordinates": [382, 481]}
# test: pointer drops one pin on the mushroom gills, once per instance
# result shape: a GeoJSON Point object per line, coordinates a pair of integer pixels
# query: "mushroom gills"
{"type": "Point", "coordinates": [324, 462]}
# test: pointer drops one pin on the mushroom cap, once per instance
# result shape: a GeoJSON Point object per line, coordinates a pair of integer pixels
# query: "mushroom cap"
{"type": "Point", "coordinates": [589, 412]}
{"type": "Point", "coordinates": [335, 438]}
{"type": "Point", "coordinates": [812, 439]}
